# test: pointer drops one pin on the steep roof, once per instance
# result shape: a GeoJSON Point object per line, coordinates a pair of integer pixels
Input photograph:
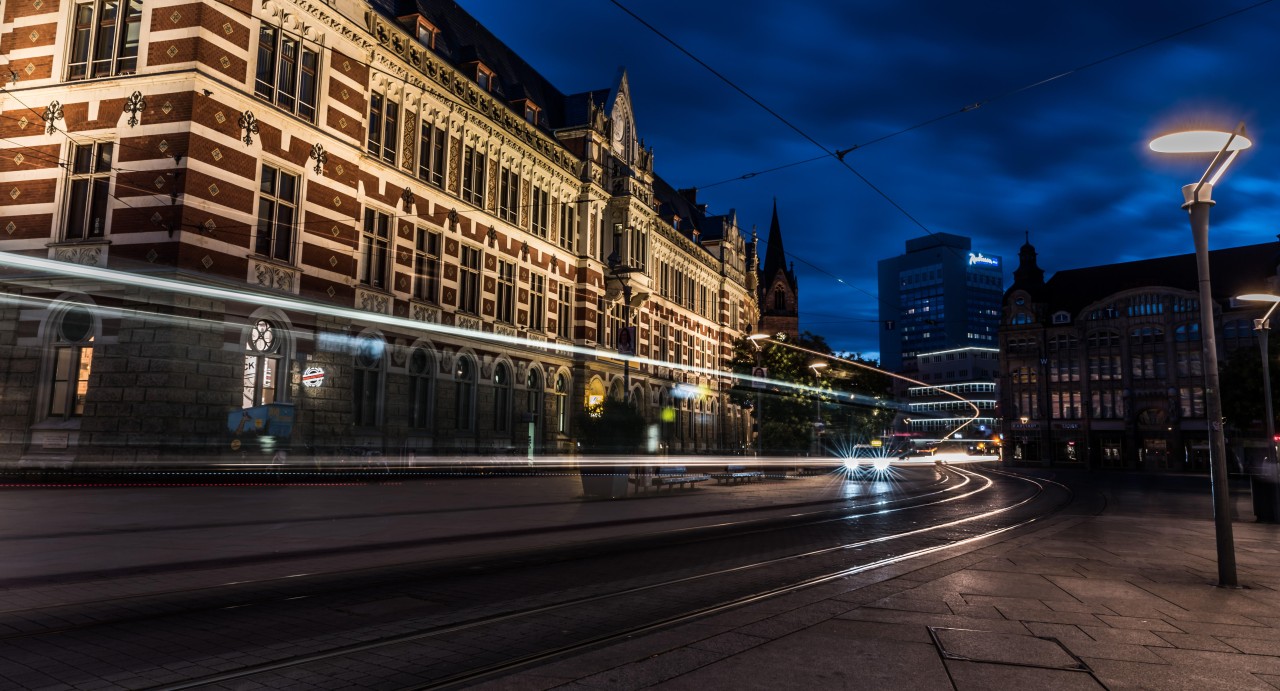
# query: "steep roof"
{"type": "Point", "coordinates": [462, 39]}
{"type": "Point", "coordinates": [775, 258]}
{"type": "Point", "coordinates": [1233, 271]}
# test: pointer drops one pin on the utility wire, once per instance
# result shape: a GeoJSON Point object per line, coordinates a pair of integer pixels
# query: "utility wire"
{"type": "Point", "coordinates": [841, 153]}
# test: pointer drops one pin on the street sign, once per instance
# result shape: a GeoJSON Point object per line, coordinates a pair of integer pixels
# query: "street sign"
{"type": "Point", "coordinates": [313, 377]}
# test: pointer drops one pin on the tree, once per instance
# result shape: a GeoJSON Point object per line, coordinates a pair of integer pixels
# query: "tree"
{"type": "Point", "coordinates": [792, 416]}
{"type": "Point", "coordinates": [1241, 382]}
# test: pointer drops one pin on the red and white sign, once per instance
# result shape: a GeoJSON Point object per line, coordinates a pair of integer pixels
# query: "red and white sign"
{"type": "Point", "coordinates": [313, 377]}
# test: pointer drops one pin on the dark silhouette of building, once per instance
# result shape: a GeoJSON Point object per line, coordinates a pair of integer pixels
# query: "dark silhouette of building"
{"type": "Point", "coordinates": [779, 291]}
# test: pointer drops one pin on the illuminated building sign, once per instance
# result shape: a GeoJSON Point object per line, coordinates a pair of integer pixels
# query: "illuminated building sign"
{"type": "Point", "coordinates": [979, 259]}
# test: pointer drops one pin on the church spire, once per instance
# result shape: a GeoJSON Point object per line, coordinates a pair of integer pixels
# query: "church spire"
{"type": "Point", "coordinates": [778, 292]}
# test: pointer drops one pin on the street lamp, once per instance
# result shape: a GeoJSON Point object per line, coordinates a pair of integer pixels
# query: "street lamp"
{"type": "Point", "coordinates": [1263, 327]}
{"type": "Point", "coordinates": [759, 371]}
{"type": "Point", "coordinates": [1198, 198]}
{"type": "Point", "coordinates": [817, 366]}
{"type": "Point", "coordinates": [625, 342]}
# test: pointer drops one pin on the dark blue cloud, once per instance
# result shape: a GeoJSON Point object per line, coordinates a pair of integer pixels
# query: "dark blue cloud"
{"type": "Point", "coordinates": [1065, 161]}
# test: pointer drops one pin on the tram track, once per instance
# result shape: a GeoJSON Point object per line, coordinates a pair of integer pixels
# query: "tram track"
{"type": "Point", "coordinates": [563, 619]}
{"type": "Point", "coordinates": [316, 666]}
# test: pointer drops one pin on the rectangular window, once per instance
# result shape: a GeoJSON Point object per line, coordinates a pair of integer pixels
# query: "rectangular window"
{"type": "Point", "coordinates": [540, 214]}
{"type": "Point", "coordinates": [473, 176]}
{"type": "Point", "coordinates": [384, 127]}
{"type": "Point", "coordinates": [87, 190]}
{"type": "Point", "coordinates": [375, 243]}
{"type": "Point", "coordinates": [564, 321]}
{"type": "Point", "coordinates": [469, 281]}
{"type": "Point", "coordinates": [287, 72]}
{"type": "Point", "coordinates": [104, 43]}
{"type": "Point", "coordinates": [277, 214]}
{"type": "Point", "coordinates": [426, 266]}
{"type": "Point", "coordinates": [568, 224]}
{"type": "Point", "coordinates": [431, 155]}
{"type": "Point", "coordinates": [506, 291]}
{"type": "Point", "coordinates": [537, 302]}
{"type": "Point", "coordinates": [508, 195]}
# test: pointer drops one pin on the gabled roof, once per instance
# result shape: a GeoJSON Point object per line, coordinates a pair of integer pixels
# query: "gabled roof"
{"type": "Point", "coordinates": [1233, 271]}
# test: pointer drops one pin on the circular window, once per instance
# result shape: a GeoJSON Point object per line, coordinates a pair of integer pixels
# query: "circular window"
{"type": "Point", "coordinates": [76, 324]}
{"type": "Point", "coordinates": [263, 336]}
{"type": "Point", "coordinates": [1019, 300]}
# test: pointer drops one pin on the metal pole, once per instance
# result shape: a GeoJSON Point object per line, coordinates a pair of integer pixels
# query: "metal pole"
{"type": "Point", "coordinates": [1264, 330]}
{"type": "Point", "coordinates": [1198, 202]}
{"type": "Point", "coordinates": [759, 403]}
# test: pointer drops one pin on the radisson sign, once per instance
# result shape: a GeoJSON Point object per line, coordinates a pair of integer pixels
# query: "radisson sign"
{"type": "Point", "coordinates": [981, 259]}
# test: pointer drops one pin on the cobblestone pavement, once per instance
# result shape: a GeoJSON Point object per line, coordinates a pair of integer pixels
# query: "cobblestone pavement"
{"type": "Point", "coordinates": [1122, 600]}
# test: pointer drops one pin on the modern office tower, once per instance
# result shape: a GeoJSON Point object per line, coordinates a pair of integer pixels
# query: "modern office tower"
{"type": "Point", "coordinates": [940, 294]}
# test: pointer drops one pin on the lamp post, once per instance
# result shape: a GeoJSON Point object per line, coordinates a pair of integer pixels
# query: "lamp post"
{"type": "Point", "coordinates": [817, 367]}
{"type": "Point", "coordinates": [1198, 198]}
{"type": "Point", "coordinates": [1263, 327]}
{"type": "Point", "coordinates": [759, 386]}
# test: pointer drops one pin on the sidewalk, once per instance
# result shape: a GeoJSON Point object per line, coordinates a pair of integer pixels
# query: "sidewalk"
{"type": "Point", "coordinates": [1076, 602]}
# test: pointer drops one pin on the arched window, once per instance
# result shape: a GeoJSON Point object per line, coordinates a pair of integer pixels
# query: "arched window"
{"type": "Point", "coordinates": [263, 365]}
{"type": "Point", "coordinates": [421, 382]}
{"type": "Point", "coordinates": [502, 397]}
{"type": "Point", "coordinates": [464, 378]}
{"type": "Point", "coordinates": [72, 362]}
{"type": "Point", "coordinates": [562, 408]}
{"type": "Point", "coordinates": [779, 300]}
{"type": "Point", "coordinates": [367, 385]}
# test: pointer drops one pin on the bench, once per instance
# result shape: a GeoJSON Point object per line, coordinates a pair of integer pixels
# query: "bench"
{"type": "Point", "coordinates": [737, 473]}
{"type": "Point", "coordinates": [672, 476]}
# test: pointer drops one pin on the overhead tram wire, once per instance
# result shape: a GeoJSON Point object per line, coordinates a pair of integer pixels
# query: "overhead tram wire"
{"type": "Point", "coordinates": [841, 153]}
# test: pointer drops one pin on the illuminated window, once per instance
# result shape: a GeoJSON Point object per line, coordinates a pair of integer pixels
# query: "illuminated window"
{"type": "Point", "coordinates": [103, 41]}
{"type": "Point", "coordinates": [72, 363]}
{"type": "Point", "coordinates": [568, 223]}
{"type": "Point", "coordinates": [287, 73]}
{"type": "Point", "coordinates": [88, 190]}
{"type": "Point", "coordinates": [262, 366]}
{"type": "Point", "coordinates": [562, 395]}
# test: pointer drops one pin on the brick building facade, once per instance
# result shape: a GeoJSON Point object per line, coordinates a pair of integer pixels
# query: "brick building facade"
{"type": "Point", "coordinates": [384, 192]}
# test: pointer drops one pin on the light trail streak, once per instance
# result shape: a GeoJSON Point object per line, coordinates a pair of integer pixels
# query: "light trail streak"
{"type": "Point", "coordinates": [78, 271]}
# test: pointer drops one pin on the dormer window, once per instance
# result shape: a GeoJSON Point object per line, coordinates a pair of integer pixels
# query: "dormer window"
{"type": "Point", "coordinates": [484, 77]}
{"type": "Point", "coordinates": [426, 33]}
{"type": "Point", "coordinates": [530, 110]}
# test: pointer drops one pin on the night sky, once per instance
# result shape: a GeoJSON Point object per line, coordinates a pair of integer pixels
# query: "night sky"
{"type": "Point", "coordinates": [1065, 161]}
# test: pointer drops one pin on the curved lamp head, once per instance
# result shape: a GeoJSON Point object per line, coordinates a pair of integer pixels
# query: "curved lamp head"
{"type": "Point", "coordinates": [1224, 146]}
{"type": "Point", "coordinates": [1200, 142]}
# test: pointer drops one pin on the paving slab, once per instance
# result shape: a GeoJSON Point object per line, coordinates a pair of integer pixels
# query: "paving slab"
{"type": "Point", "coordinates": [974, 676]}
